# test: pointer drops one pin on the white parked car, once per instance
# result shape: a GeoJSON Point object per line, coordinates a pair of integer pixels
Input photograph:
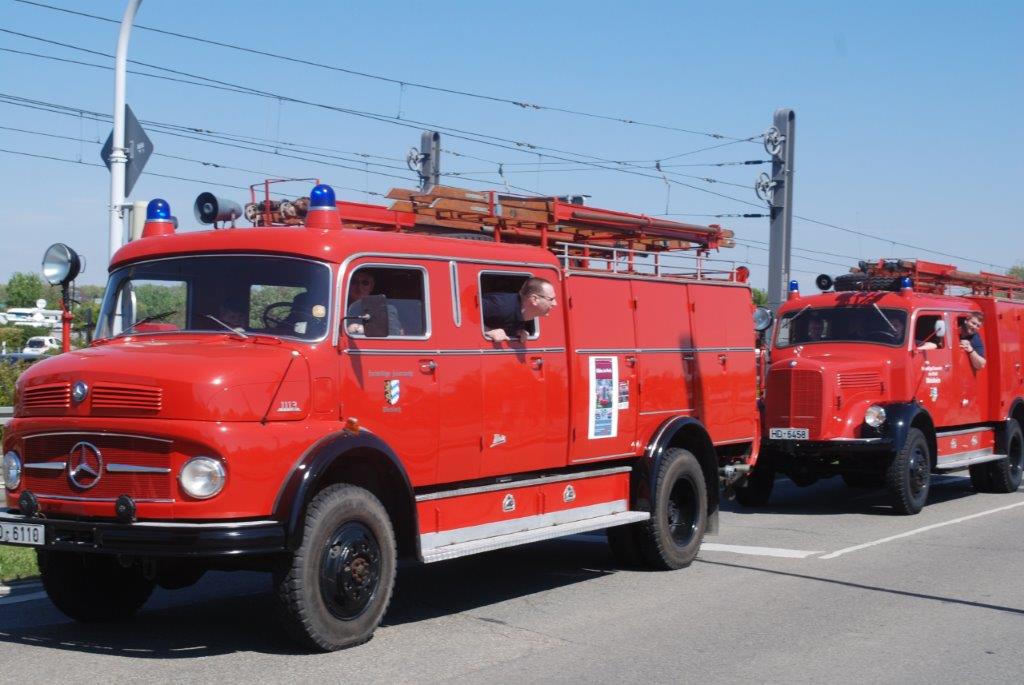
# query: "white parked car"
{"type": "Point", "coordinates": [41, 344]}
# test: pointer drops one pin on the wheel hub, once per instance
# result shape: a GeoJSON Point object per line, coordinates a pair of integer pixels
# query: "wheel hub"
{"type": "Point", "coordinates": [350, 570]}
{"type": "Point", "coordinates": [918, 471]}
{"type": "Point", "coordinates": [682, 512]}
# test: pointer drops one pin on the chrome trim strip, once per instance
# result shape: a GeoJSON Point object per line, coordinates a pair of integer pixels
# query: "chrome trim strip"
{"type": "Point", "coordinates": [70, 498]}
{"type": "Point", "coordinates": [667, 411]}
{"type": "Point", "coordinates": [8, 515]}
{"type": "Point", "coordinates": [661, 350]}
{"type": "Point", "coordinates": [607, 456]}
{"type": "Point", "coordinates": [546, 532]}
{"type": "Point", "coordinates": [48, 465]}
{"type": "Point", "coordinates": [856, 441]}
{"type": "Point", "coordinates": [420, 353]}
{"type": "Point", "coordinates": [511, 485]}
{"type": "Point", "coordinates": [964, 431]}
{"type": "Point", "coordinates": [732, 442]}
{"type": "Point", "coordinates": [113, 435]}
{"type": "Point", "coordinates": [967, 458]}
{"type": "Point", "coordinates": [429, 542]}
{"type": "Point", "coordinates": [453, 277]}
{"type": "Point", "coordinates": [129, 468]}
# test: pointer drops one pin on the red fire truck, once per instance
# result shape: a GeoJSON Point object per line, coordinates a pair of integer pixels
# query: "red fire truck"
{"type": "Point", "coordinates": [242, 409]}
{"type": "Point", "coordinates": [883, 382]}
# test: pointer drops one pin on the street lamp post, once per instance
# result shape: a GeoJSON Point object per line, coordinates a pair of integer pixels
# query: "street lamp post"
{"type": "Point", "coordinates": [118, 153]}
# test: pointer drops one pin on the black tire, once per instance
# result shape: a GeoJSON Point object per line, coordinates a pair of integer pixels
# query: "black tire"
{"type": "Point", "coordinates": [334, 590]}
{"type": "Point", "coordinates": [849, 282]}
{"type": "Point", "coordinates": [757, 489]}
{"type": "Point", "coordinates": [671, 538]}
{"type": "Point", "coordinates": [91, 587]}
{"type": "Point", "coordinates": [908, 477]}
{"type": "Point", "coordinates": [1004, 475]}
{"type": "Point", "coordinates": [625, 545]}
{"type": "Point", "coordinates": [861, 479]}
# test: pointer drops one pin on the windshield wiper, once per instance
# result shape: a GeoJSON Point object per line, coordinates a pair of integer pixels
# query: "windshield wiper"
{"type": "Point", "coordinates": [884, 317]}
{"type": "Point", "coordinates": [234, 330]}
{"type": "Point", "coordinates": [155, 317]}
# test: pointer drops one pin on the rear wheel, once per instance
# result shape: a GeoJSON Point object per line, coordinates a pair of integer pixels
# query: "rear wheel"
{"type": "Point", "coordinates": [1004, 475]}
{"type": "Point", "coordinates": [671, 538]}
{"type": "Point", "coordinates": [92, 587]}
{"type": "Point", "coordinates": [909, 474]}
{"type": "Point", "coordinates": [337, 585]}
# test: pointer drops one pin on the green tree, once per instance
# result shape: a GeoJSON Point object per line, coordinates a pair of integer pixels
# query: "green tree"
{"type": "Point", "coordinates": [760, 297]}
{"type": "Point", "coordinates": [23, 289]}
{"type": "Point", "coordinates": [1017, 270]}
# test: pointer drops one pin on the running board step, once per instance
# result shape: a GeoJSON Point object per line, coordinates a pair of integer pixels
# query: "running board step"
{"type": "Point", "coordinates": [522, 537]}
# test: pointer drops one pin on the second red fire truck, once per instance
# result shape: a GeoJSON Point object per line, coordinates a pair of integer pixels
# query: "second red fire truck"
{"type": "Point", "coordinates": [905, 369]}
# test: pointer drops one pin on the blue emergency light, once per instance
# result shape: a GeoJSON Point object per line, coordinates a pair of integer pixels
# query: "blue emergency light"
{"type": "Point", "coordinates": [158, 210]}
{"type": "Point", "coordinates": [794, 287]}
{"type": "Point", "coordinates": [322, 196]}
{"type": "Point", "coordinates": [906, 283]}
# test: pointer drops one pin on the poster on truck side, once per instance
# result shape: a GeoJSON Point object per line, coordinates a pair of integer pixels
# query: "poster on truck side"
{"type": "Point", "coordinates": [604, 398]}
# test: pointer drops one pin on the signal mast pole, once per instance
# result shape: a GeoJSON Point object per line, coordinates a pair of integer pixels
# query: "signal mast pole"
{"type": "Point", "coordinates": [777, 191]}
{"type": "Point", "coordinates": [118, 153]}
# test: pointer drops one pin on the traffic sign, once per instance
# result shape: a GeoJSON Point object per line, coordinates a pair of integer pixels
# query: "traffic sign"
{"type": "Point", "coordinates": [139, 148]}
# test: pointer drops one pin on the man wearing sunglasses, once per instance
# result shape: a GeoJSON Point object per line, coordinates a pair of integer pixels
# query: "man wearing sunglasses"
{"type": "Point", "coordinates": [361, 285]}
{"type": "Point", "coordinates": [508, 316]}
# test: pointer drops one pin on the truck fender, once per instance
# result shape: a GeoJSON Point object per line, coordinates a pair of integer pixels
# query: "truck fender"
{"type": "Point", "coordinates": [678, 431]}
{"type": "Point", "coordinates": [335, 454]}
{"type": "Point", "coordinates": [1002, 429]}
{"type": "Point", "coordinates": [901, 417]}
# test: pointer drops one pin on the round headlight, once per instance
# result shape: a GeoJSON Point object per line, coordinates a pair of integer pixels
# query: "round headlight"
{"type": "Point", "coordinates": [61, 264]}
{"type": "Point", "coordinates": [12, 470]}
{"type": "Point", "coordinates": [763, 318]}
{"type": "Point", "coordinates": [874, 416]}
{"type": "Point", "coordinates": [202, 477]}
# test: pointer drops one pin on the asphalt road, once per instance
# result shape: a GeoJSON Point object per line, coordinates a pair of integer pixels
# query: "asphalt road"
{"type": "Point", "coordinates": [812, 589]}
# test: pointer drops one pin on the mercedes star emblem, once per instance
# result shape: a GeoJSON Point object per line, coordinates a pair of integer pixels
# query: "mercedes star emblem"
{"type": "Point", "coordinates": [85, 465]}
{"type": "Point", "coordinates": [78, 391]}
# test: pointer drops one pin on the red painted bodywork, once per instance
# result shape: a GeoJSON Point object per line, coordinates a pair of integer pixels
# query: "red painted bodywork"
{"type": "Point", "coordinates": [683, 348]}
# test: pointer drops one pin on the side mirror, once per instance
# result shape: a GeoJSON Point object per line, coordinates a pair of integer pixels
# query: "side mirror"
{"type": "Point", "coordinates": [940, 329]}
{"type": "Point", "coordinates": [763, 319]}
{"type": "Point", "coordinates": [375, 311]}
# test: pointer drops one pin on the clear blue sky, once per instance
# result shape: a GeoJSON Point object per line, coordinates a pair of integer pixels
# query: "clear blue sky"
{"type": "Point", "coordinates": [908, 113]}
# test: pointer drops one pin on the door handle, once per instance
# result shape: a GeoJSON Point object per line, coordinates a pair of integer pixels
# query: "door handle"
{"type": "Point", "coordinates": [537, 363]}
{"type": "Point", "coordinates": [947, 367]}
{"type": "Point", "coordinates": [722, 359]}
{"type": "Point", "coordinates": [631, 360]}
{"type": "Point", "coordinates": [428, 366]}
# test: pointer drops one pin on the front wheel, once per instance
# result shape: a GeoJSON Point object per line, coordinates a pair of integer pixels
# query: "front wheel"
{"type": "Point", "coordinates": [92, 587]}
{"type": "Point", "coordinates": [335, 588]}
{"type": "Point", "coordinates": [908, 477]}
{"type": "Point", "coordinates": [671, 538]}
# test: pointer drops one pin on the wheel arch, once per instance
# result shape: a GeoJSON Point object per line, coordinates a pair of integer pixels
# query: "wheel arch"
{"type": "Point", "coordinates": [900, 418]}
{"type": "Point", "coordinates": [363, 460]}
{"type": "Point", "coordinates": [690, 434]}
{"type": "Point", "coordinates": [1016, 413]}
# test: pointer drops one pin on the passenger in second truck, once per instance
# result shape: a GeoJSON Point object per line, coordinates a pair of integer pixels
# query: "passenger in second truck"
{"type": "Point", "coordinates": [970, 340]}
{"type": "Point", "coordinates": [508, 315]}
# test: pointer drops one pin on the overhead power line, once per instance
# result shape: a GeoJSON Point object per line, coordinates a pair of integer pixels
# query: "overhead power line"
{"type": "Point", "coordinates": [402, 83]}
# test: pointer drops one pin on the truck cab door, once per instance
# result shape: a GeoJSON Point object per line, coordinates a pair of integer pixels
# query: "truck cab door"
{"type": "Point", "coordinates": [934, 385]}
{"type": "Point", "coordinates": [971, 383]}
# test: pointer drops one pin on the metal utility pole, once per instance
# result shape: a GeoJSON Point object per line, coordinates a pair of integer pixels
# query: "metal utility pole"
{"type": "Point", "coordinates": [777, 191]}
{"type": "Point", "coordinates": [430, 160]}
{"type": "Point", "coordinates": [118, 153]}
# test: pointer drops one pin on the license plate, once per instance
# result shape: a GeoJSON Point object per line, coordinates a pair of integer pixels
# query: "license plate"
{"type": "Point", "coordinates": [22, 533]}
{"type": "Point", "coordinates": [788, 433]}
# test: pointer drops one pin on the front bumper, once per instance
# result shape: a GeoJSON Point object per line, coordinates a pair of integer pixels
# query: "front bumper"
{"type": "Point", "coordinates": [830, 448]}
{"type": "Point", "coordinates": [156, 539]}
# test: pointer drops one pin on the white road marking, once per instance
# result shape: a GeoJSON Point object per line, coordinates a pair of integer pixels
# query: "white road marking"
{"type": "Point", "coordinates": [923, 529]}
{"type": "Point", "coordinates": [18, 599]}
{"type": "Point", "coordinates": [757, 551]}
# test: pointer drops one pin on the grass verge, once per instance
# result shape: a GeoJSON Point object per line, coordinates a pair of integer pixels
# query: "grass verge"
{"type": "Point", "coordinates": [17, 563]}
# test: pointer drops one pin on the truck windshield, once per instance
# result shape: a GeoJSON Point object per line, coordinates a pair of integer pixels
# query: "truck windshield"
{"type": "Point", "coordinates": [281, 296]}
{"type": "Point", "coordinates": [861, 324]}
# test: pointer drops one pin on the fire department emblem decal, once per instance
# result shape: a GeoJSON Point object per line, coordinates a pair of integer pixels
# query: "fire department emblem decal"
{"type": "Point", "coordinates": [392, 392]}
{"type": "Point", "coordinates": [934, 393]}
{"type": "Point", "coordinates": [85, 465]}
{"type": "Point", "coordinates": [569, 494]}
{"type": "Point", "coordinates": [508, 505]}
